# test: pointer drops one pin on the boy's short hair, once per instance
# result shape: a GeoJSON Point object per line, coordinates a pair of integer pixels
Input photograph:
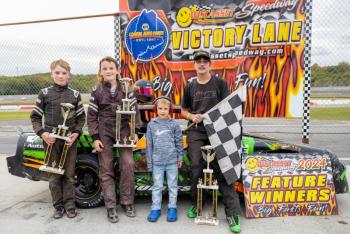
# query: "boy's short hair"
{"type": "Point", "coordinates": [111, 60]}
{"type": "Point", "coordinates": [164, 100]}
{"type": "Point", "coordinates": [106, 59]}
{"type": "Point", "coordinates": [60, 63]}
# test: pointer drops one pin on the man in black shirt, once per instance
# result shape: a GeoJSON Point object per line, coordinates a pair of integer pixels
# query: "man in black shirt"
{"type": "Point", "coordinates": [201, 94]}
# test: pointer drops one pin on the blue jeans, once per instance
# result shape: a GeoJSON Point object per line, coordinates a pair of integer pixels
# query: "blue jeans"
{"type": "Point", "coordinates": [158, 179]}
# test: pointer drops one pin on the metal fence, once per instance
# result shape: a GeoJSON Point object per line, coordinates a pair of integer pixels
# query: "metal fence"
{"type": "Point", "coordinates": [330, 44]}
{"type": "Point", "coordinates": [27, 50]}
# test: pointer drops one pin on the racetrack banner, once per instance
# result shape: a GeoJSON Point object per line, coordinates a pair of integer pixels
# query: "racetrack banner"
{"type": "Point", "coordinates": [257, 43]}
{"type": "Point", "coordinates": [288, 185]}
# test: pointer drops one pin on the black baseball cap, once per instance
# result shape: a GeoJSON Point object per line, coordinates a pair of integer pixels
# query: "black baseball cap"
{"type": "Point", "coordinates": [201, 54]}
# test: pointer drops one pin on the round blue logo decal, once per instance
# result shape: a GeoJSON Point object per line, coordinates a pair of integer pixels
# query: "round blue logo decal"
{"type": "Point", "coordinates": [146, 36]}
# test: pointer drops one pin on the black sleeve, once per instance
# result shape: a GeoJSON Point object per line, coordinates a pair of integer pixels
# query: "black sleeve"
{"type": "Point", "coordinates": [92, 115]}
{"type": "Point", "coordinates": [80, 116]}
{"type": "Point", "coordinates": [186, 99]}
{"type": "Point", "coordinates": [224, 89]}
{"type": "Point", "coordinates": [37, 114]}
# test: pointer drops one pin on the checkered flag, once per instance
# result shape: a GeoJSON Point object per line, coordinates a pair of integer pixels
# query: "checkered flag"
{"type": "Point", "coordinates": [198, 7]}
{"type": "Point", "coordinates": [223, 124]}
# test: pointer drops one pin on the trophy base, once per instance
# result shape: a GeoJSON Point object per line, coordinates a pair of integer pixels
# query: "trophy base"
{"type": "Point", "coordinates": [124, 145]}
{"type": "Point", "coordinates": [206, 221]}
{"type": "Point", "coordinates": [49, 169]}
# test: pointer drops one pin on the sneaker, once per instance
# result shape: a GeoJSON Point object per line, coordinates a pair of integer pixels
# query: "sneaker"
{"type": "Point", "coordinates": [112, 215]}
{"type": "Point", "coordinates": [234, 223]}
{"type": "Point", "coordinates": [192, 212]}
{"type": "Point", "coordinates": [71, 213]}
{"type": "Point", "coordinates": [58, 213]}
{"type": "Point", "coordinates": [129, 210]}
{"type": "Point", "coordinates": [153, 216]}
{"type": "Point", "coordinates": [172, 215]}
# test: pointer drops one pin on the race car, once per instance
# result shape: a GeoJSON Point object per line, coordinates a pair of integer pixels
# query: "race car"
{"type": "Point", "coordinates": [30, 156]}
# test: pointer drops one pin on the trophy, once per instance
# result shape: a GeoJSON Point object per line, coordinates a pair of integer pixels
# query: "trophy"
{"type": "Point", "coordinates": [126, 109]}
{"type": "Point", "coordinates": [55, 165]}
{"type": "Point", "coordinates": [208, 183]}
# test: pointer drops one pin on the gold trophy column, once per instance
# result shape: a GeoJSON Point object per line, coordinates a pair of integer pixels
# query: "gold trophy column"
{"type": "Point", "coordinates": [208, 184]}
{"type": "Point", "coordinates": [61, 132]}
{"type": "Point", "coordinates": [125, 109]}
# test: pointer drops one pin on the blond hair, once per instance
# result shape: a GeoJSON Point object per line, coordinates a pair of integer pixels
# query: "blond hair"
{"type": "Point", "coordinates": [106, 59]}
{"type": "Point", "coordinates": [162, 100]}
{"type": "Point", "coordinates": [60, 63]}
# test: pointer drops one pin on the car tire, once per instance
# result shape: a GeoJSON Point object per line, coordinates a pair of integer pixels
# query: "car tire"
{"type": "Point", "coordinates": [88, 191]}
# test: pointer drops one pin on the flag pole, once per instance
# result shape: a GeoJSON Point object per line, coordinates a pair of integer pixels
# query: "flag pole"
{"type": "Point", "coordinates": [189, 126]}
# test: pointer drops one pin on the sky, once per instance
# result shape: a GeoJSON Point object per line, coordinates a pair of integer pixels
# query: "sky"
{"type": "Point", "coordinates": [28, 49]}
{"type": "Point", "coordinates": [330, 32]}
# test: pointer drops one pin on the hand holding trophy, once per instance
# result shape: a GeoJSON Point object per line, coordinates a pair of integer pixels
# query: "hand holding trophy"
{"type": "Point", "coordinates": [51, 164]}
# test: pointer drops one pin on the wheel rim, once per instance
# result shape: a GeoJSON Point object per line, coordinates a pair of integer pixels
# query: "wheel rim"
{"type": "Point", "coordinates": [87, 184]}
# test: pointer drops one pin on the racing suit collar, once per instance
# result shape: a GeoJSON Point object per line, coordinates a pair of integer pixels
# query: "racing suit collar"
{"type": "Point", "coordinates": [106, 84]}
{"type": "Point", "coordinates": [59, 87]}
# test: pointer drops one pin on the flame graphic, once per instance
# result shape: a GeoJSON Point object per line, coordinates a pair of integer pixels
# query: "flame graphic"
{"type": "Point", "coordinates": [276, 81]}
{"type": "Point", "coordinates": [299, 14]}
{"type": "Point", "coordinates": [281, 75]}
{"type": "Point", "coordinates": [281, 78]}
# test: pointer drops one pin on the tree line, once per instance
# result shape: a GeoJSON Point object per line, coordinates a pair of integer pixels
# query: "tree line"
{"type": "Point", "coordinates": [31, 84]}
{"type": "Point", "coordinates": [338, 75]}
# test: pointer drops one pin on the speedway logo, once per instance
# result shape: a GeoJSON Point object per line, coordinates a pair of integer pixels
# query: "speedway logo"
{"type": "Point", "coordinates": [257, 163]}
{"type": "Point", "coordinates": [209, 15]}
{"type": "Point", "coordinates": [146, 36]}
{"type": "Point", "coordinates": [254, 7]}
{"type": "Point", "coordinates": [188, 15]}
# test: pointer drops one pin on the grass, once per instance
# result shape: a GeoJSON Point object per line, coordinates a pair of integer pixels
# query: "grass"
{"type": "Point", "coordinates": [330, 113]}
{"type": "Point", "coordinates": [19, 115]}
{"type": "Point", "coordinates": [317, 113]}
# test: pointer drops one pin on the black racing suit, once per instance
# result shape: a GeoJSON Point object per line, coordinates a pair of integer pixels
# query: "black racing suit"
{"type": "Point", "coordinates": [48, 106]}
